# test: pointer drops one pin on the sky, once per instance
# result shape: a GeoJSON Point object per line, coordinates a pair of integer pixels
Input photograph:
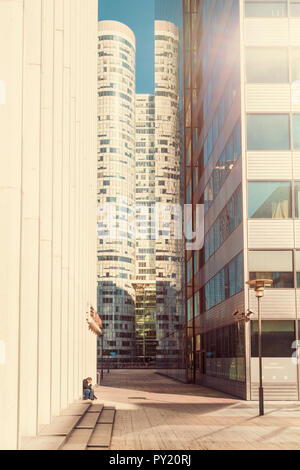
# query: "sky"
{"type": "Point", "coordinates": [139, 15]}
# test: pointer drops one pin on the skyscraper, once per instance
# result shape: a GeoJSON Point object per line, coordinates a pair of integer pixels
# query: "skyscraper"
{"type": "Point", "coordinates": [116, 187]}
{"type": "Point", "coordinates": [168, 190]}
{"type": "Point", "coordinates": [145, 277]}
{"type": "Point", "coordinates": [140, 263]}
{"type": "Point", "coordinates": [241, 152]}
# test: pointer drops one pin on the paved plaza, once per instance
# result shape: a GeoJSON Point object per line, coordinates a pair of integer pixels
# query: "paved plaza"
{"type": "Point", "coordinates": [154, 412]}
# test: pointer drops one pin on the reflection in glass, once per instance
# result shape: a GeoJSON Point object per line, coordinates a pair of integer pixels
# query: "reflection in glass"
{"type": "Point", "coordinates": [280, 280]}
{"type": "Point", "coordinates": [295, 9]}
{"type": "Point", "coordinates": [277, 338]}
{"type": "Point", "coordinates": [296, 131]}
{"type": "Point", "coordinates": [225, 353]}
{"type": "Point", "coordinates": [268, 132]}
{"type": "Point", "coordinates": [267, 65]}
{"type": "Point", "coordinates": [297, 200]}
{"type": "Point", "coordinates": [269, 200]}
{"type": "Point", "coordinates": [266, 9]}
{"type": "Point", "coordinates": [295, 59]}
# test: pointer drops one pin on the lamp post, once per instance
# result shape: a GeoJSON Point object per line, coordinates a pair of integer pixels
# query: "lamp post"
{"type": "Point", "coordinates": [259, 286]}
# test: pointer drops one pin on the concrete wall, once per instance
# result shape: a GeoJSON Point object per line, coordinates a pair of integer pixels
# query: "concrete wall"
{"type": "Point", "coordinates": [48, 158]}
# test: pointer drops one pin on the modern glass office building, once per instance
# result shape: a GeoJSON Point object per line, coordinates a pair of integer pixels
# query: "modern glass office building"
{"type": "Point", "coordinates": [242, 154]}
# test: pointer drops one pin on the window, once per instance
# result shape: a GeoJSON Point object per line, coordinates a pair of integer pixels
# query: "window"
{"type": "Point", "coordinates": [296, 131]}
{"type": "Point", "coordinates": [295, 8]}
{"type": "Point", "coordinates": [237, 141]}
{"type": "Point", "coordinates": [238, 207]}
{"type": "Point", "coordinates": [225, 352]}
{"type": "Point", "coordinates": [239, 269]}
{"type": "Point", "coordinates": [228, 282]}
{"type": "Point", "coordinates": [268, 132]}
{"type": "Point", "coordinates": [277, 338]}
{"type": "Point", "coordinates": [295, 63]}
{"type": "Point", "coordinates": [197, 310]}
{"type": "Point", "coordinates": [188, 195]}
{"type": "Point", "coordinates": [231, 215]}
{"type": "Point", "coordinates": [281, 280]}
{"type": "Point", "coordinates": [269, 200]}
{"type": "Point", "coordinates": [266, 9]}
{"type": "Point", "coordinates": [232, 277]}
{"type": "Point", "coordinates": [188, 272]}
{"type": "Point", "coordinates": [270, 261]}
{"type": "Point", "coordinates": [267, 65]}
{"type": "Point", "coordinates": [195, 263]}
{"type": "Point", "coordinates": [189, 309]}
{"type": "Point", "coordinates": [297, 200]}
{"type": "Point", "coordinates": [297, 267]}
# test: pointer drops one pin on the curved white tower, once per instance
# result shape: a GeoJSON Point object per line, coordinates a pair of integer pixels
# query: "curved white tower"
{"type": "Point", "coordinates": [116, 187]}
{"type": "Point", "coordinates": [167, 189]}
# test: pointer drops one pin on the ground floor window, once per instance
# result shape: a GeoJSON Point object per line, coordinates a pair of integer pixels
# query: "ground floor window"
{"type": "Point", "coordinates": [225, 352]}
{"type": "Point", "coordinates": [277, 338]}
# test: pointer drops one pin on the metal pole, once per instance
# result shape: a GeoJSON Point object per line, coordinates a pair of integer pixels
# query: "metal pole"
{"type": "Point", "coordinates": [261, 390]}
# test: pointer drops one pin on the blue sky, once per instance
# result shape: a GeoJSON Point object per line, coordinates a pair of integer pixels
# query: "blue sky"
{"type": "Point", "coordinates": [139, 15]}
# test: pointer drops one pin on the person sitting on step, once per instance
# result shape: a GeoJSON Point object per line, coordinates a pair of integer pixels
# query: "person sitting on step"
{"type": "Point", "coordinates": [88, 391]}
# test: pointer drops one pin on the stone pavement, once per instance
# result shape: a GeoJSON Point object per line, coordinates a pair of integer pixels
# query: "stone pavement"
{"type": "Point", "coordinates": [158, 413]}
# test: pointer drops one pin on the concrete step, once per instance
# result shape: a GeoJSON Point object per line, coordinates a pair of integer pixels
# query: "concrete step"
{"type": "Point", "coordinates": [96, 448]}
{"type": "Point", "coordinates": [78, 439]}
{"type": "Point", "coordinates": [60, 426]}
{"type": "Point", "coordinates": [45, 443]}
{"type": "Point", "coordinates": [76, 409]}
{"type": "Point", "coordinates": [83, 426]}
{"type": "Point", "coordinates": [88, 421]}
{"type": "Point", "coordinates": [96, 408]}
{"type": "Point", "coordinates": [55, 435]}
{"type": "Point", "coordinates": [101, 436]}
{"type": "Point", "coordinates": [107, 416]}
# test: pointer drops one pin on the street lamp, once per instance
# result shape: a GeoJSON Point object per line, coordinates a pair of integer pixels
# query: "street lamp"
{"type": "Point", "coordinates": [259, 286]}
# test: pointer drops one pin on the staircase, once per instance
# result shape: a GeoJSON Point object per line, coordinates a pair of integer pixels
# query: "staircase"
{"type": "Point", "coordinates": [83, 426]}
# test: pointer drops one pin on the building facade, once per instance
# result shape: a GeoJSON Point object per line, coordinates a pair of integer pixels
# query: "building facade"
{"type": "Point", "coordinates": [145, 272]}
{"type": "Point", "coordinates": [48, 209]}
{"type": "Point", "coordinates": [116, 188]}
{"type": "Point", "coordinates": [242, 108]}
{"type": "Point", "coordinates": [168, 165]}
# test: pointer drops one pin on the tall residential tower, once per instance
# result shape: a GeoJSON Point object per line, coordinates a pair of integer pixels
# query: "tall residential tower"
{"type": "Point", "coordinates": [116, 187]}
{"type": "Point", "coordinates": [169, 249]}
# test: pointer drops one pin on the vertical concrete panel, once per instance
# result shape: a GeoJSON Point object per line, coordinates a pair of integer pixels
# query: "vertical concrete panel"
{"type": "Point", "coordinates": [80, 119]}
{"type": "Point", "coordinates": [80, 182]}
{"type": "Point", "coordinates": [83, 175]}
{"type": "Point", "coordinates": [57, 208]}
{"type": "Point", "coordinates": [11, 36]}
{"type": "Point", "coordinates": [30, 218]}
{"type": "Point", "coordinates": [45, 262]}
{"type": "Point", "coordinates": [77, 195]}
{"type": "Point", "coordinates": [72, 206]}
{"type": "Point", "coordinates": [65, 207]}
